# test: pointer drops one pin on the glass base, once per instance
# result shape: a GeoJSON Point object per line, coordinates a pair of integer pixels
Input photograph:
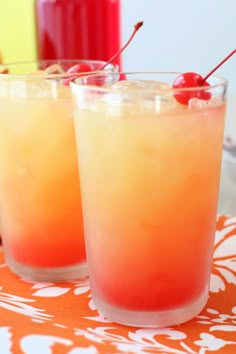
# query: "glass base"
{"type": "Point", "coordinates": [152, 318]}
{"type": "Point", "coordinates": [47, 274]}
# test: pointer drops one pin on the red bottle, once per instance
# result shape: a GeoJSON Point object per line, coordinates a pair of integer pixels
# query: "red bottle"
{"type": "Point", "coordinates": [78, 29]}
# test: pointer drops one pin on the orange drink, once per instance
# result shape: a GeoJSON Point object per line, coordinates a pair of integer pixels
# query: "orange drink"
{"type": "Point", "coordinates": [149, 173]}
{"type": "Point", "coordinates": [40, 208]}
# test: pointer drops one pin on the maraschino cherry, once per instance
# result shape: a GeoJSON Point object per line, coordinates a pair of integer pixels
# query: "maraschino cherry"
{"type": "Point", "coordinates": [75, 69]}
{"type": "Point", "coordinates": [190, 80]}
{"type": "Point", "coordinates": [86, 68]}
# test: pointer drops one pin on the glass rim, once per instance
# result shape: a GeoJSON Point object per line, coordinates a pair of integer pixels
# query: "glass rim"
{"type": "Point", "coordinates": [76, 82]}
{"type": "Point", "coordinates": [52, 61]}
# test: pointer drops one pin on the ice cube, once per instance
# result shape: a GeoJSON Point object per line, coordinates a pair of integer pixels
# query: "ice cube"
{"type": "Point", "coordinates": [166, 104]}
{"type": "Point", "coordinates": [4, 87]}
{"type": "Point", "coordinates": [109, 68]}
{"type": "Point", "coordinates": [141, 96]}
{"type": "Point", "coordinates": [140, 85]}
{"type": "Point", "coordinates": [32, 88]}
{"type": "Point", "coordinates": [63, 91]}
{"type": "Point", "coordinates": [33, 84]}
{"type": "Point", "coordinates": [54, 69]}
{"type": "Point", "coordinates": [194, 103]}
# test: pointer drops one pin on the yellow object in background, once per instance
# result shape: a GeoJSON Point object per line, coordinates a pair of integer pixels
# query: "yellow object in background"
{"type": "Point", "coordinates": [17, 30]}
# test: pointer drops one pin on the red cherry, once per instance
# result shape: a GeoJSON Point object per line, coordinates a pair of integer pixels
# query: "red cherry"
{"type": "Point", "coordinates": [86, 68]}
{"type": "Point", "coordinates": [76, 69]}
{"type": "Point", "coordinates": [79, 68]}
{"type": "Point", "coordinates": [190, 80]}
{"type": "Point", "coordinates": [98, 80]}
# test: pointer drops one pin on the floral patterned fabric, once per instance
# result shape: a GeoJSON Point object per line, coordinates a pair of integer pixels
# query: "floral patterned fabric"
{"type": "Point", "coordinates": [60, 318]}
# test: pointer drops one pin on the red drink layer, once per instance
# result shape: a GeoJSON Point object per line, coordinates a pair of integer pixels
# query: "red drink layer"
{"type": "Point", "coordinates": [78, 29]}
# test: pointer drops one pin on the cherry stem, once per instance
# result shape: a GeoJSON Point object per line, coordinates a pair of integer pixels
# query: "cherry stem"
{"type": "Point", "coordinates": [136, 28]}
{"type": "Point", "coordinates": [215, 68]}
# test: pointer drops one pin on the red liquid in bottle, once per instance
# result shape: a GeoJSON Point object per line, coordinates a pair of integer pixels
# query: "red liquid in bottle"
{"type": "Point", "coordinates": [78, 29]}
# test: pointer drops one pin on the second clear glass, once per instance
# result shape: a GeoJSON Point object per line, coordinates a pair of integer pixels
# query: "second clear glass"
{"type": "Point", "coordinates": [40, 207]}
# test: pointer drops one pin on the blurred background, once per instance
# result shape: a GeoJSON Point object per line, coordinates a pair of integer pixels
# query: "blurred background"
{"type": "Point", "coordinates": [178, 35]}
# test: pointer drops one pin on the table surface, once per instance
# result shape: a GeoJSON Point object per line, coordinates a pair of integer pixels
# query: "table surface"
{"type": "Point", "coordinates": [60, 318]}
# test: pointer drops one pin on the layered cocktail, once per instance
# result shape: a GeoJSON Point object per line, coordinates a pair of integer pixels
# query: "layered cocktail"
{"type": "Point", "coordinates": [149, 173]}
{"type": "Point", "coordinates": [40, 208]}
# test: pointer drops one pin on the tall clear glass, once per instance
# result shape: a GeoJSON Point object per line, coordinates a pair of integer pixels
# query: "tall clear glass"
{"type": "Point", "coordinates": [40, 208]}
{"type": "Point", "coordinates": [149, 172]}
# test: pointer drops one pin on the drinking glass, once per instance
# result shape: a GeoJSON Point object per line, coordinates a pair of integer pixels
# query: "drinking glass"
{"type": "Point", "coordinates": [40, 208]}
{"type": "Point", "coordinates": [149, 172]}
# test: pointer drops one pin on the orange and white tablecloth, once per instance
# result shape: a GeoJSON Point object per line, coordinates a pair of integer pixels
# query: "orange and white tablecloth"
{"type": "Point", "coordinates": [60, 318]}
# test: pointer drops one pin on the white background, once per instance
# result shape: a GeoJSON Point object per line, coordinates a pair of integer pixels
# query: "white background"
{"type": "Point", "coordinates": [183, 35]}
